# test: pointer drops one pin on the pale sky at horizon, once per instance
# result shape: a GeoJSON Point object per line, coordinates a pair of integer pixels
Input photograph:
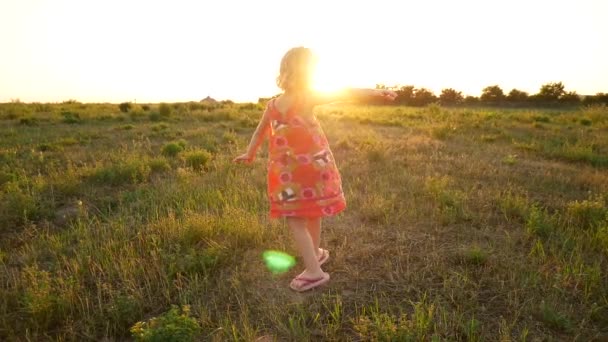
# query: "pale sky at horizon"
{"type": "Point", "coordinates": [185, 50]}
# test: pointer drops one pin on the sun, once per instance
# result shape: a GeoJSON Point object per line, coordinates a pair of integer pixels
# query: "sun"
{"type": "Point", "coordinates": [328, 78]}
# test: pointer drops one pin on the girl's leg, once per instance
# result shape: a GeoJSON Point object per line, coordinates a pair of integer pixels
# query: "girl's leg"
{"type": "Point", "coordinates": [314, 229]}
{"type": "Point", "coordinates": [304, 243]}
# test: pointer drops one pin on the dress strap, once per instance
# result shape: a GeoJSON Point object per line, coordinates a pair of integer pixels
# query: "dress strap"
{"type": "Point", "coordinates": [290, 112]}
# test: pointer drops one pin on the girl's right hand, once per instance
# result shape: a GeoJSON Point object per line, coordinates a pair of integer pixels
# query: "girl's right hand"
{"type": "Point", "coordinates": [243, 158]}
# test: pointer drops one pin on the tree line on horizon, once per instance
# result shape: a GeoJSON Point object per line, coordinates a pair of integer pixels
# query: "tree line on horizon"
{"type": "Point", "coordinates": [551, 94]}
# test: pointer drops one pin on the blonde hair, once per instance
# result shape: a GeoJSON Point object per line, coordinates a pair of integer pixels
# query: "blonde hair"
{"type": "Point", "coordinates": [296, 70]}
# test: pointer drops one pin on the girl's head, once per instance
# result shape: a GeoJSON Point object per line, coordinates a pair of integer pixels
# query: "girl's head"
{"type": "Point", "coordinates": [297, 68]}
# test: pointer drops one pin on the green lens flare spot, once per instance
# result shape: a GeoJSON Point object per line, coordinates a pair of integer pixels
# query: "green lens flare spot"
{"type": "Point", "coordinates": [278, 262]}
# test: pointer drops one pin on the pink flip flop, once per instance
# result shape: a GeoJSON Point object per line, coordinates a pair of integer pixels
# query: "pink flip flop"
{"type": "Point", "coordinates": [324, 256]}
{"type": "Point", "coordinates": [308, 284]}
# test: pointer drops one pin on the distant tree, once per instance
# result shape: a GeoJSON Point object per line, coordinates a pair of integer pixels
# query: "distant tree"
{"type": "Point", "coordinates": [471, 100]}
{"type": "Point", "coordinates": [517, 96]}
{"type": "Point", "coordinates": [492, 95]}
{"type": "Point", "coordinates": [602, 98]}
{"type": "Point", "coordinates": [423, 97]}
{"type": "Point", "coordinates": [551, 92]}
{"type": "Point", "coordinates": [405, 95]}
{"type": "Point", "coordinates": [450, 97]}
{"type": "Point", "coordinates": [380, 86]}
{"type": "Point", "coordinates": [570, 98]}
{"type": "Point", "coordinates": [597, 99]}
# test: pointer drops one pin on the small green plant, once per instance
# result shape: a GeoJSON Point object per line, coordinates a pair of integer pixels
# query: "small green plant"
{"type": "Point", "coordinates": [471, 329]}
{"type": "Point", "coordinates": [128, 127]}
{"type": "Point", "coordinates": [173, 326]}
{"type": "Point", "coordinates": [511, 159]}
{"type": "Point", "coordinates": [380, 326]}
{"type": "Point", "coordinates": [159, 127]}
{"type": "Point", "coordinates": [554, 319]}
{"type": "Point", "coordinates": [539, 223]}
{"type": "Point", "coordinates": [476, 256]}
{"type": "Point", "coordinates": [172, 149]}
{"type": "Point", "coordinates": [587, 214]}
{"type": "Point", "coordinates": [585, 122]}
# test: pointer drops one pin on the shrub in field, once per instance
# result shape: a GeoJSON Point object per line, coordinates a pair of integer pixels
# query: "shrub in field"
{"type": "Point", "coordinates": [198, 160]}
{"type": "Point", "coordinates": [28, 121]}
{"type": "Point", "coordinates": [165, 110]}
{"type": "Point", "coordinates": [513, 206]}
{"type": "Point", "coordinates": [155, 116]}
{"type": "Point", "coordinates": [585, 122]}
{"type": "Point", "coordinates": [70, 117]}
{"type": "Point", "coordinates": [159, 127]}
{"type": "Point", "coordinates": [380, 326]}
{"type": "Point", "coordinates": [539, 223]}
{"type": "Point", "coordinates": [16, 206]}
{"type": "Point", "coordinates": [159, 165]}
{"type": "Point", "coordinates": [145, 107]}
{"type": "Point", "coordinates": [132, 172]}
{"type": "Point", "coordinates": [172, 149]}
{"type": "Point", "coordinates": [173, 326]}
{"type": "Point", "coordinates": [587, 214]}
{"type": "Point", "coordinates": [554, 319]}
{"type": "Point", "coordinates": [125, 107]}
{"type": "Point", "coordinates": [229, 137]}
{"type": "Point", "coordinates": [475, 256]}
{"type": "Point", "coordinates": [40, 299]}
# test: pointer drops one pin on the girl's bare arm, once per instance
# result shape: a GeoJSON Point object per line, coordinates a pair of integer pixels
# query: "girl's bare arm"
{"type": "Point", "coordinates": [256, 139]}
{"type": "Point", "coordinates": [352, 94]}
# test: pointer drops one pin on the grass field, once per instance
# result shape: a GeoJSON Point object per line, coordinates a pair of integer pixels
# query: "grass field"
{"type": "Point", "coordinates": [462, 225]}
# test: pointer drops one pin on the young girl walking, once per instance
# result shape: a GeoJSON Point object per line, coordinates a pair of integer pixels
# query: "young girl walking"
{"type": "Point", "coordinates": [304, 184]}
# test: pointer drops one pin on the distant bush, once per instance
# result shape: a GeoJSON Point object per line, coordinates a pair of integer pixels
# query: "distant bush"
{"type": "Point", "coordinates": [165, 110]}
{"type": "Point", "coordinates": [28, 121]}
{"type": "Point", "coordinates": [71, 117]}
{"type": "Point", "coordinates": [172, 149]}
{"type": "Point", "coordinates": [159, 165]}
{"type": "Point", "coordinates": [125, 107]}
{"type": "Point", "coordinates": [145, 107]}
{"type": "Point", "coordinates": [154, 116]}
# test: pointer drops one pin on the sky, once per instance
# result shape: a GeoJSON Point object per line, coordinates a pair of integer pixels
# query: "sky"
{"type": "Point", "coordinates": [185, 50]}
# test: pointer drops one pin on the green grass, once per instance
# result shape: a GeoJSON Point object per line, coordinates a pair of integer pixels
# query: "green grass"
{"type": "Point", "coordinates": [462, 225]}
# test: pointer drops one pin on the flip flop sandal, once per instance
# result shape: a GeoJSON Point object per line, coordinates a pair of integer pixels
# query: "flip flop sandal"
{"type": "Point", "coordinates": [308, 284]}
{"type": "Point", "coordinates": [324, 256]}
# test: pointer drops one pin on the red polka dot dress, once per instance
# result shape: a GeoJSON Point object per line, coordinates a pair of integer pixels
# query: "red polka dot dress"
{"type": "Point", "coordinates": [303, 179]}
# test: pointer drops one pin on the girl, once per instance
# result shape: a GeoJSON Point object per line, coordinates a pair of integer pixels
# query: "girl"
{"type": "Point", "coordinates": [303, 182]}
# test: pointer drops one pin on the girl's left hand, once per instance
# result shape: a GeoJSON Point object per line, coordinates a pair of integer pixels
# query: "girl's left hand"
{"type": "Point", "coordinates": [243, 158]}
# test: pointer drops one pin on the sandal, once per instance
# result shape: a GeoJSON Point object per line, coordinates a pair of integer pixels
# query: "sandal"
{"type": "Point", "coordinates": [324, 256]}
{"type": "Point", "coordinates": [308, 284]}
